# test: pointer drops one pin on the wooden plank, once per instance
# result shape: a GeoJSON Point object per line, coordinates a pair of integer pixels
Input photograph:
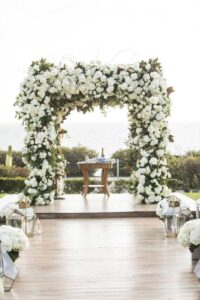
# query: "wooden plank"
{"type": "Point", "coordinates": [112, 259]}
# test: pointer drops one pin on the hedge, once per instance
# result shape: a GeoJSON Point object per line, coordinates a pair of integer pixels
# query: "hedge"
{"type": "Point", "coordinates": [14, 171]}
{"type": "Point", "coordinates": [12, 185]}
{"type": "Point", "coordinates": [72, 185]}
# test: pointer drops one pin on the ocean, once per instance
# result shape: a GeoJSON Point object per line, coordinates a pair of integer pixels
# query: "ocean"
{"type": "Point", "coordinates": [108, 135]}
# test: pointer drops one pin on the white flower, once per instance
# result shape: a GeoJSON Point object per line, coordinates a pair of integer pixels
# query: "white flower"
{"type": "Point", "coordinates": [155, 75]}
{"type": "Point", "coordinates": [54, 71]}
{"type": "Point", "coordinates": [153, 161]}
{"type": "Point", "coordinates": [140, 188]}
{"type": "Point", "coordinates": [146, 139]}
{"type": "Point", "coordinates": [43, 155]}
{"type": "Point", "coordinates": [160, 153]}
{"type": "Point", "coordinates": [166, 191]}
{"type": "Point", "coordinates": [142, 179]}
{"type": "Point", "coordinates": [8, 209]}
{"type": "Point", "coordinates": [139, 198]}
{"type": "Point", "coordinates": [143, 161]}
{"type": "Point", "coordinates": [146, 77]}
{"type": "Point", "coordinates": [153, 174]}
{"type": "Point", "coordinates": [13, 238]}
{"type": "Point", "coordinates": [153, 100]}
{"type": "Point", "coordinates": [161, 207]}
{"type": "Point", "coordinates": [124, 86]}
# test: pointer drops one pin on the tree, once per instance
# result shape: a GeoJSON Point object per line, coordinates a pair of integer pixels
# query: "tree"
{"type": "Point", "coordinates": [17, 158]}
{"type": "Point", "coordinates": [127, 161]}
{"type": "Point", "coordinates": [74, 155]}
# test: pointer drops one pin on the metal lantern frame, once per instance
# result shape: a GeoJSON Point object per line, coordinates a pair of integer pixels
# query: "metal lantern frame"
{"type": "Point", "coordinates": [24, 220]}
{"type": "Point", "coordinates": [8, 271]}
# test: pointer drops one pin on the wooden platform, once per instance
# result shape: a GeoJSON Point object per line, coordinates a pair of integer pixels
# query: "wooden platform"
{"type": "Point", "coordinates": [95, 206]}
{"type": "Point", "coordinates": [104, 259]}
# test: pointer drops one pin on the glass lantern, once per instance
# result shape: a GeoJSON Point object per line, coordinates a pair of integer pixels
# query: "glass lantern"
{"type": "Point", "coordinates": [32, 224]}
{"type": "Point", "coordinates": [16, 219]}
{"type": "Point", "coordinates": [8, 271]}
{"type": "Point", "coordinates": [171, 221]}
{"type": "Point", "coordinates": [184, 215]}
{"type": "Point", "coordinates": [171, 217]}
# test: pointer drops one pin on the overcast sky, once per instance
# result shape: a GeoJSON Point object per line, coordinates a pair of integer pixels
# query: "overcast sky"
{"type": "Point", "coordinates": [112, 31]}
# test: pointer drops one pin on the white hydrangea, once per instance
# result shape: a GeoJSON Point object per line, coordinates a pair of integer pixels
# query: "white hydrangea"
{"type": "Point", "coordinates": [13, 238]}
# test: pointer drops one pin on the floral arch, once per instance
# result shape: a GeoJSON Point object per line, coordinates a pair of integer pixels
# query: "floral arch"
{"type": "Point", "coordinates": [50, 93]}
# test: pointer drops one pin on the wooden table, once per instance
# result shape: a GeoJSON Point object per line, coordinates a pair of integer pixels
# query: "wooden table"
{"type": "Point", "coordinates": [86, 167]}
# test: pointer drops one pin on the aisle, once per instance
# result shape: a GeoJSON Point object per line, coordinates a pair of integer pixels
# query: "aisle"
{"type": "Point", "coordinates": [100, 259]}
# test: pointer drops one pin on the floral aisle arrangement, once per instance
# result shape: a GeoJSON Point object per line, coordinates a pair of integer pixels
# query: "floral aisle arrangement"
{"type": "Point", "coordinates": [186, 204]}
{"type": "Point", "coordinates": [13, 239]}
{"type": "Point", "coordinates": [50, 93]}
{"type": "Point", "coordinates": [189, 235]}
{"type": "Point", "coordinates": [8, 209]}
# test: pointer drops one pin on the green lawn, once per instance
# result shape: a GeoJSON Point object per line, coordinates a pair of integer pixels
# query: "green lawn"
{"type": "Point", "coordinates": [1, 195]}
{"type": "Point", "coordinates": [194, 196]}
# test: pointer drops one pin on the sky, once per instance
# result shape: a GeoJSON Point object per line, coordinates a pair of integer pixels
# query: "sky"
{"type": "Point", "coordinates": [112, 31]}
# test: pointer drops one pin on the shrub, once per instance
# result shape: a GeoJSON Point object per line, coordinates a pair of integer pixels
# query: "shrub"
{"type": "Point", "coordinates": [11, 185]}
{"type": "Point", "coordinates": [75, 185]}
{"type": "Point", "coordinates": [175, 184]}
{"type": "Point", "coordinates": [127, 161]}
{"type": "Point", "coordinates": [13, 171]}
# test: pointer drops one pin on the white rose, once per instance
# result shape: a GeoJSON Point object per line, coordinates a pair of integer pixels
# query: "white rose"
{"type": "Point", "coordinates": [153, 99]}
{"type": "Point", "coordinates": [142, 179]}
{"type": "Point", "coordinates": [146, 77]}
{"type": "Point", "coordinates": [160, 152]}
{"type": "Point", "coordinates": [155, 75]}
{"type": "Point", "coordinates": [140, 188]}
{"type": "Point", "coordinates": [146, 139]}
{"type": "Point", "coordinates": [153, 161]}
{"type": "Point", "coordinates": [124, 86]}
{"type": "Point", "coordinates": [151, 199]}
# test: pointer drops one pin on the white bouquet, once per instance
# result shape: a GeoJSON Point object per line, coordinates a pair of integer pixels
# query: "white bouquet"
{"type": "Point", "coordinates": [161, 207]}
{"type": "Point", "coordinates": [13, 239]}
{"type": "Point", "coordinates": [8, 209]}
{"type": "Point", "coordinates": [189, 235]}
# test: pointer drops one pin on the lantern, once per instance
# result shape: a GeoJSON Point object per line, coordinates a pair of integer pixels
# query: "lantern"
{"type": "Point", "coordinates": [184, 215]}
{"type": "Point", "coordinates": [170, 217]}
{"type": "Point", "coordinates": [25, 219]}
{"type": "Point", "coordinates": [32, 224]}
{"type": "Point", "coordinates": [8, 271]}
{"type": "Point", "coordinates": [16, 219]}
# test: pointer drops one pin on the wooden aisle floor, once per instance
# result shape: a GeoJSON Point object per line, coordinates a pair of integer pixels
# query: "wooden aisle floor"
{"type": "Point", "coordinates": [100, 259]}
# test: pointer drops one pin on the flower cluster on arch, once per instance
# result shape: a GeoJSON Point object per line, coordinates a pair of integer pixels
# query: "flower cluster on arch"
{"type": "Point", "coordinates": [50, 93]}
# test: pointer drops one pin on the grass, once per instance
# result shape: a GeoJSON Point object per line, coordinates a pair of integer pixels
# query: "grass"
{"type": "Point", "coordinates": [194, 196]}
{"type": "Point", "coordinates": [1, 195]}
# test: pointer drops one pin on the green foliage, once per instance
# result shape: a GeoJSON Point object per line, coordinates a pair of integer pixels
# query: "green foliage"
{"type": "Point", "coordinates": [194, 196]}
{"type": "Point", "coordinates": [127, 161]}
{"type": "Point", "coordinates": [175, 184]}
{"type": "Point", "coordinates": [13, 171]}
{"type": "Point", "coordinates": [185, 170]}
{"type": "Point", "coordinates": [11, 185]}
{"type": "Point", "coordinates": [74, 185]}
{"type": "Point", "coordinates": [75, 155]}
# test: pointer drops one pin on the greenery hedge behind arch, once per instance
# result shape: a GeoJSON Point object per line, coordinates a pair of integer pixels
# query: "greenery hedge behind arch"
{"type": "Point", "coordinates": [50, 93]}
